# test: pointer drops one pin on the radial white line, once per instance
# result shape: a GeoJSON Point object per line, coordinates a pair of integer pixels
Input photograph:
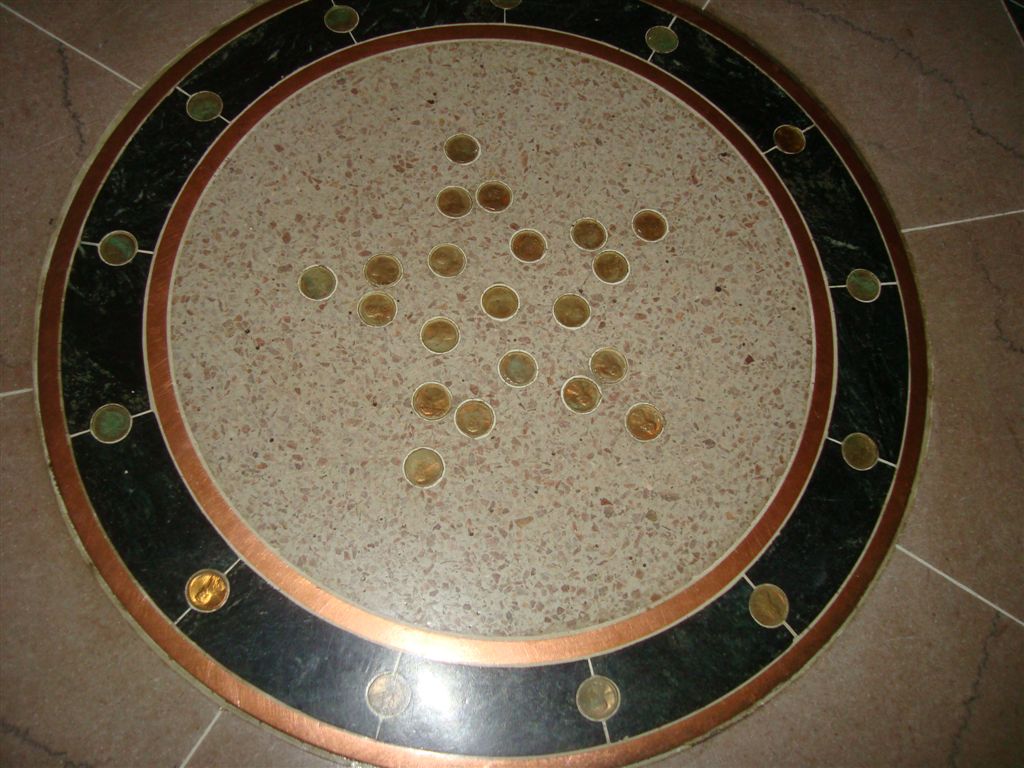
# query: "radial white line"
{"type": "Point", "coordinates": [786, 625]}
{"type": "Point", "coordinates": [185, 613]}
{"type": "Point", "coordinates": [182, 90]}
{"type": "Point", "coordinates": [353, 37]}
{"type": "Point", "coordinates": [591, 665]}
{"type": "Point", "coordinates": [887, 463]}
{"type": "Point", "coordinates": [232, 566]}
{"type": "Point", "coordinates": [673, 21]}
{"type": "Point", "coordinates": [78, 434]}
{"type": "Point", "coordinates": [66, 44]}
{"type": "Point", "coordinates": [964, 587]}
{"type": "Point", "coordinates": [202, 736]}
{"type": "Point", "coordinates": [843, 285]}
{"type": "Point", "coordinates": [747, 579]}
{"type": "Point", "coordinates": [963, 221]}
{"type": "Point", "coordinates": [607, 736]}
{"type": "Point", "coordinates": [833, 440]}
{"type": "Point", "coordinates": [706, 4]}
{"type": "Point", "coordinates": [14, 392]}
{"type": "Point", "coordinates": [808, 128]}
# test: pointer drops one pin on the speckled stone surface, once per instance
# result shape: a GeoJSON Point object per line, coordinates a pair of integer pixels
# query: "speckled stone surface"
{"type": "Point", "coordinates": [555, 521]}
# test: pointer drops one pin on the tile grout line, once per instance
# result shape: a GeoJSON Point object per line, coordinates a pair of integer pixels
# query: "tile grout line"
{"type": "Point", "coordinates": [202, 737]}
{"type": "Point", "coordinates": [66, 44]}
{"type": "Point", "coordinates": [953, 581]}
{"type": "Point", "coordinates": [14, 392]}
{"type": "Point", "coordinates": [706, 4]}
{"type": "Point", "coordinates": [963, 221]}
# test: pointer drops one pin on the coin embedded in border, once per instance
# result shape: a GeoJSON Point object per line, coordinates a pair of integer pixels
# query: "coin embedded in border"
{"type": "Point", "coordinates": [439, 335]}
{"type": "Point", "coordinates": [432, 401]}
{"type": "Point", "coordinates": [598, 698]}
{"type": "Point", "coordinates": [204, 106]}
{"type": "Point", "coordinates": [317, 282]}
{"type": "Point", "coordinates": [768, 606]}
{"type": "Point", "coordinates": [588, 234]}
{"type": "Point", "coordinates": [376, 309]}
{"type": "Point", "coordinates": [388, 695]}
{"type": "Point", "coordinates": [454, 202]}
{"type": "Point", "coordinates": [382, 270]}
{"type": "Point", "coordinates": [500, 302]}
{"type": "Point", "coordinates": [423, 467]}
{"type": "Point", "coordinates": [494, 196]}
{"type": "Point", "coordinates": [528, 245]}
{"type": "Point", "coordinates": [110, 423]}
{"type": "Point", "coordinates": [661, 39]}
{"type": "Point", "coordinates": [341, 19]}
{"type": "Point", "coordinates": [474, 418]}
{"type": "Point", "coordinates": [649, 225]}
{"type": "Point", "coordinates": [789, 139]}
{"type": "Point", "coordinates": [446, 260]}
{"type": "Point", "coordinates": [645, 422]}
{"type": "Point", "coordinates": [611, 267]}
{"type": "Point", "coordinates": [863, 285]}
{"type": "Point", "coordinates": [581, 394]}
{"type": "Point", "coordinates": [860, 451]}
{"type": "Point", "coordinates": [571, 310]}
{"type": "Point", "coordinates": [118, 248]}
{"type": "Point", "coordinates": [462, 148]}
{"type": "Point", "coordinates": [608, 365]}
{"type": "Point", "coordinates": [518, 368]}
{"type": "Point", "coordinates": [207, 590]}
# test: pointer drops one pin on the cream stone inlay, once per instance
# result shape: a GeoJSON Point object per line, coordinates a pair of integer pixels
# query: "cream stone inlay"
{"type": "Point", "coordinates": [556, 521]}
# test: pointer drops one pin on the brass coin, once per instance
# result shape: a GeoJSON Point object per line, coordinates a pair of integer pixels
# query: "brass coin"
{"type": "Point", "coordinates": [649, 225]}
{"type": "Point", "coordinates": [863, 285]}
{"type": "Point", "coordinates": [860, 451]}
{"type": "Point", "coordinates": [789, 139]}
{"type": "Point", "coordinates": [439, 335]}
{"type": "Point", "coordinates": [432, 401]}
{"type": "Point", "coordinates": [317, 283]}
{"type": "Point", "coordinates": [598, 698]}
{"type": "Point", "coordinates": [768, 605]}
{"type": "Point", "coordinates": [341, 19]}
{"type": "Point", "coordinates": [207, 590]}
{"type": "Point", "coordinates": [581, 394]}
{"type": "Point", "coordinates": [376, 309]}
{"type": "Point", "coordinates": [204, 106]}
{"type": "Point", "coordinates": [382, 270]}
{"type": "Point", "coordinates": [454, 202]}
{"type": "Point", "coordinates": [388, 695]}
{"type": "Point", "coordinates": [645, 422]}
{"type": "Point", "coordinates": [611, 267]}
{"type": "Point", "coordinates": [462, 148]}
{"type": "Point", "coordinates": [588, 234]}
{"type": "Point", "coordinates": [423, 467]}
{"type": "Point", "coordinates": [609, 365]}
{"type": "Point", "coordinates": [518, 368]}
{"type": "Point", "coordinates": [571, 310]}
{"type": "Point", "coordinates": [494, 196]}
{"type": "Point", "coordinates": [500, 302]}
{"type": "Point", "coordinates": [110, 423]}
{"type": "Point", "coordinates": [446, 260]}
{"type": "Point", "coordinates": [528, 245]}
{"type": "Point", "coordinates": [474, 418]}
{"type": "Point", "coordinates": [118, 248]}
{"type": "Point", "coordinates": [661, 39]}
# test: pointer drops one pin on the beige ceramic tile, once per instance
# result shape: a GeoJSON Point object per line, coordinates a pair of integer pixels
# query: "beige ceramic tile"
{"type": "Point", "coordinates": [933, 99]}
{"type": "Point", "coordinates": [79, 686]}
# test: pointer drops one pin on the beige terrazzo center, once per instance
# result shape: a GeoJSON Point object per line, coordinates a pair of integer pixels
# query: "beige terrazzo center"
{"type": "Point", "coordinates": [555, 521]}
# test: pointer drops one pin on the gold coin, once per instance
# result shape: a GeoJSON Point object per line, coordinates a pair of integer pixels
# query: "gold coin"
{"type": "Point", "coordinates": [661, 39]}
{"type": "Point", "coordinates": [439, 335]}
{"type": "Point", "coordinates": [649, 225]}
{"type": "Point", "coordinates": [581, 394]}
{"type": "Point", "coordinates": [768, 605]}
{"type": "Point", "coordinates": [446, 260]}
{"type": "Point", "coordinates": [341, 19]}
{"type": "Point", "coordinates": [860, 451]}
{"type": "Point", "coordinates": [376, 309]}
{"type": "Point", "coordinates": [598, 698]}
{"type": "Point", "coordinates": [474, 418]}
{"type": "Point", "coordinates": [317, 283]}
{"type": "Point", "coordinates": [528, 245]}
{"type": "Point", "coordinates": [611, 267]}
{"type": "Point", "coordinates": [423, 467]}
{"type": "Point", "coordinates": [382, 270]}
{"type": "Point", "coordinates": [500, 301]}
{"type": "Point", "coordinates": [462, 148]}
{"type": "Point", "coordinates": [110, 423]}
{"type": "Point", "coordinates": [571, 310]}
{"type": "Point", "coordinates": [863, 285]}
{"type": "Point", "coordinates": [204, 106]}
{"type": "Point", "coordinates": [517, 368]}
{"type": "Point", "coordinates": [494, 196]}
{"type": "Point", "coordinates": [432, 401]}
{"type": "Point", "coordinates": [789, 139]}
{"type": "Point", "coordinates": [118, 248]}
{"type": "Point", "coordinates": [608, 364]}
{"type": "Point", "coordinates": [645, 422]}
{"type": "Point", "coordinates": [454, 202]}
{"type": "Point", "coordinates": [588, 234]}
{"type": "Point", "coordinates": [207, 590]}
{"type": "Point", "coordinates": [388, 695]}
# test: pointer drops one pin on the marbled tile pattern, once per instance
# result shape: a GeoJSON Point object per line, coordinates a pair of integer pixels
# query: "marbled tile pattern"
{"type": "Point", "coordinates": [555, 521]}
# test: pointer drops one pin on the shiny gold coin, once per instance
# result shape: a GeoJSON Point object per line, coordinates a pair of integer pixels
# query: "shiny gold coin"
{"type": "Point", "coordinates": [341, 19]}
{"type": "Point", "coordinates": [645, 422]}
{"type": "Point", "coordinates": [789, 139]}
{"type": "Point", "coordinates": [454, 202]}
{"type": "Point", "coordinates": [863, 285]}
{"type": "Point", "coordinates": [462, 148]}
{"type": "Point", "coordinates": [860, 451]}
{"type": "Point", "coordinates": [423, 467]}
{"type": "Point", "coordinates": [388, 695]}
{"type": "Point", "coordinates": [571, 310]}
{"type": "Point", "coordinates": [207, 590]}
{"type": "Point", "coordinates": [474, 418]}
{"type": "Point", "coordinates": [518, 368]}
{"type": "Point", "coordinates": [768, 605]}
{"type": "Point", "coordinates": [377, 309]}
{"type": "Point", "coordinates": [588, 234]}
{"type": "Point", "coordinates": [110, 423]}
{"type": "Point", "coordinates": [494, 196]}
{"type": "Point", "coordinates": [649, 225]}
{"type": "Point", "coordinates": [204, 106]}
{"type": "Point", "coordinates": [581, 394]}
{"type": "Point", "coordinates": [382, 270]}
{"type": "Point", "coordinates": [439, 335]}
{"type": "Point", "coordinates": [609, 365]}
{"type": "Point", "coordinates": [500, 302]}
{"type": "Point", "coordinates": [528, 245]}
{"type": "Point", "coordinates": [432, 401]}
{"type": "Point", "coordinates": [598, 698]}
{"type": "Point", "coordinates": [118, 248]}
{"type": "Point", "coordinates": [446, 260]}
{"type": "Point", "coordinates": [317, 283]}
{"type": "Point", "coordinates": [611, 267]}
